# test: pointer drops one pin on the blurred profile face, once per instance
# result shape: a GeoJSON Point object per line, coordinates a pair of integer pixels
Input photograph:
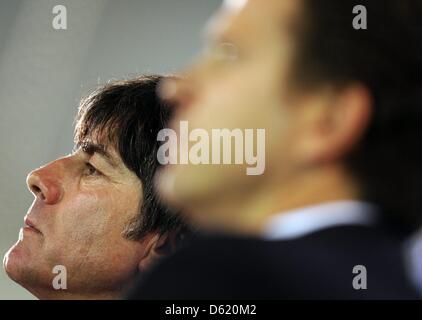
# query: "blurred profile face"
{"type": "Point", "coordinates": [241, 81]}
{"type": "Point", "coordinates": [83, 202]}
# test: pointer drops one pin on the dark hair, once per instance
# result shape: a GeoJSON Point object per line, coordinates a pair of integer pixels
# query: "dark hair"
{"type": "Point", "coordinates": [130, 114]}
{"type": "Point", "coordinates": [386, 58]}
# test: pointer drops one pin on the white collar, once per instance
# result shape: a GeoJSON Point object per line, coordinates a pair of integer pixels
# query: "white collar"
{"type": "Point", "coordinates": [413, 254]}
{"type": "Point", "coordinates": [300, 222]}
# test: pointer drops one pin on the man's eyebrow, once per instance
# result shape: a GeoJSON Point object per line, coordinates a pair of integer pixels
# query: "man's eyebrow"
{"type": "Point", "coordinates": [91, 148]}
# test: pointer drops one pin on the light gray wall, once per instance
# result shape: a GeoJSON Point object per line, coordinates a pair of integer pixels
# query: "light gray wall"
{"type": "Point", "coordinates": [44, 72]}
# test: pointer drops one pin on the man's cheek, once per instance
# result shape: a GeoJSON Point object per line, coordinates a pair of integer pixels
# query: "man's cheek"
{"type": "Point", "coordinates": [78, 225]}
{"type": "Point", "coordinates": [70, 249]}
{"type": "Point", "coordinates": [84, 209]}
{"type": "Point", "coordinates": [57, 252]}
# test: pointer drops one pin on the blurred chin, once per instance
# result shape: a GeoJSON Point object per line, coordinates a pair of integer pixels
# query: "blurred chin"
{"type": "Point", "coordinates": [199, 186]}
{"type": "Point", "coordinates": [166, 182]}
{"type": "Point", "coordinates": [181, 184]}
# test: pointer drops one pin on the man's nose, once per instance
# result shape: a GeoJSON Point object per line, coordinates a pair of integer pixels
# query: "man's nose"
{"type": "Point", "coordinates": [178, 91]}
{"type": "Point", "coordinates": [45, 184]}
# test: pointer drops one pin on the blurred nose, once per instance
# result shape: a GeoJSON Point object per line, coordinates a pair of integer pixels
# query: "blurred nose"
{"type": "Point", "coordinates": [178, 91]}
{"type": "Point", "coordinates": [45, 183]}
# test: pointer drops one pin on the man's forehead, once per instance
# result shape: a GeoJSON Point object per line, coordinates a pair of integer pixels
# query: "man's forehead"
{"type": "Point", "coordinates": [268, 8]}
{"type": "Point", "coordinates": [234, 4]}
{"type": "Point", "coordinates": [246, 18]}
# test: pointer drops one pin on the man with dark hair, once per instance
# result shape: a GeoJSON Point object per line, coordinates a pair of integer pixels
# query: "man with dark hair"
{"type": "Point", "coordinates": [341, 110]}
{"type": "Point", "coordinates": [96, 221]}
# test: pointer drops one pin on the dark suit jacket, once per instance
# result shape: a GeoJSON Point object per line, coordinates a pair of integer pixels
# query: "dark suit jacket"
{"type": "Point", "coordinates": [317, 266]}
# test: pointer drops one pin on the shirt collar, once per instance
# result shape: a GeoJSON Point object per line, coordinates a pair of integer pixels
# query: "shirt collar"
{"type": "Point", "coordinates": [413, 255]}
{"type": "Point", "coordinates": [303, 221]}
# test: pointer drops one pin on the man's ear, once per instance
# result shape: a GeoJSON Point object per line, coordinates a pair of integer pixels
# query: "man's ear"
{"type": "Point", "coordinates": [156, 247]}
{"type": "Point", "coordinates": [335, 125]}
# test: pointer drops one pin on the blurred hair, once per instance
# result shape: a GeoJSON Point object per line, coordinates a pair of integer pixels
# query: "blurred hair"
{"type": "Point", "coordinates": [387, 59]}
{"type": "Point", "coordinates": [129, 115]}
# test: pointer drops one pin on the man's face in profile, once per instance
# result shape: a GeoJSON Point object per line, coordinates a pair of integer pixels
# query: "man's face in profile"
{"type": "Point", "coordinates": [242, 81]}
{"type": "Point", "coordinates": [83, 202]}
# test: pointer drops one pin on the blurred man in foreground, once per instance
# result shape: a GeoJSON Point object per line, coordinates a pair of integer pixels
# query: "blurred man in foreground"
{"type": "Point", "coordinates": [95, 211]}
{"type": "Point", "coordinates": [341, 111]}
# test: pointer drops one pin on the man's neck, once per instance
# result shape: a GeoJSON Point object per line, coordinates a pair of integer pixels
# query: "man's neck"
{"type": "Point", "coordinates": [275, 197]}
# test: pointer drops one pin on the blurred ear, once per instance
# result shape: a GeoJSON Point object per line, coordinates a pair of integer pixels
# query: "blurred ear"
{"type": "Point", "coordinates": [333, 123]}
{"type": "Point", "coordinates": [156, 248]}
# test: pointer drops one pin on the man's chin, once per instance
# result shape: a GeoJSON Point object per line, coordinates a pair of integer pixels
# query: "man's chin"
{"type": "Point", "coordinates": [14, 260]}
{"type": "Point", "coordinates": [180, 184]}
{"type": "Point", "coordinates": [200, 186]}
{"type": "Point", "coordinates": [19, 263]}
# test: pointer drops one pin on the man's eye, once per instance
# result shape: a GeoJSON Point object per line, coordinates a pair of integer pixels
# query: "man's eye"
{"type": "Point", "coordinates": [90, 170]}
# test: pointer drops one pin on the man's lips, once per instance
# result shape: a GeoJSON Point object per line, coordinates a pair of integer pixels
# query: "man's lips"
{"type": "Point", "coordinates": [30, 225]}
